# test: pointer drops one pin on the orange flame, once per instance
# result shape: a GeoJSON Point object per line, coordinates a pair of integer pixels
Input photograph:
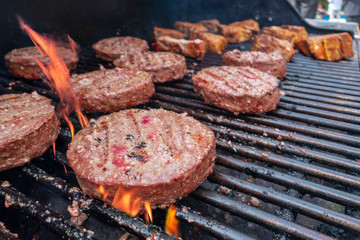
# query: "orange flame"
{"type": "Point", "coordinates": [127, 202]}
{"type": "Point", "coordinates": [171, 223]}
{"type": "Point", "coordinates": [58, 77]}
{"type": "Point", "coordinates": [101, 190]}
{"type": "Point", "coordinates": [71, 126]}
{"type": "Point", "coordinates": [64, 167]}
{"type": "Point", "coordinates": [54, 148]}
{"type": "Point", "coordinates": [148, 214]}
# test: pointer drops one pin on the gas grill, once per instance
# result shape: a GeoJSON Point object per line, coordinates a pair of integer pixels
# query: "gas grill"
{"type": "Point", "coordinates": [293, 173]}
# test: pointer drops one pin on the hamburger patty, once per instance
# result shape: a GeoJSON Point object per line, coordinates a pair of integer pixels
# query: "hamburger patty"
{"type": "Point", "coordinates": [110, 90]}
{"type": "Point", "coordinates": [273, 63]}
{"type": "Point", "coordinates": [159, 155]}
{"type": "Point", "coordinates": [237, 89]}
{"type": "Point", "coordinates": [25, 119]}
{"type": "Point", "coordinates": [21, 62]}
{"type": "Point", "coordinates": [109, 49]}
{"type": "Point", "coordinates": [164, 66]}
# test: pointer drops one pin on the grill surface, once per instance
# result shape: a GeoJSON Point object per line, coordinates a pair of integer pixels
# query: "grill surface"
{"type": "Point", "coordinates": [292, 173]}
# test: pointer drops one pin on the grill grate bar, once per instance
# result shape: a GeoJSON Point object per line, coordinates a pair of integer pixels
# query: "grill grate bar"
{"type": "Point", "coordinates": [49, 218]}
{"type": "Point", "coordinates": [213, 227]}
{"type": "Point", "coordinates": [304, 186]}
{"type": "Point", "coordinates": [346, 64]}
{"type": "Point", "coordinates": [313, 120]}
{"type": "Point", "coordinates": [289, 163]}
{"type": "Point", "coordinates": [298, 138]}
{"type": "Point", "coordinates": [319, 113]}
{"type": "Point", "coordinates": [338, 77]}
{"type": "Point", "coordinates": [255, 215]}
{"type": "Point", "coordinates": [321, 93]}
{"type": "Point", "coordinates": [354, 91]}
{"type": "Point", "coordinates": [281, 199]}
{"type": "Point", "coordinates": [325, 106]}
{"type": "Point", "coordinates": [330, 100]}
{"type": "Point", "coordinates": [287, 148]}
{"type": "Point", "coordinates": [134, 225]}
{"type": "Point", "coordinates": [316, 83]}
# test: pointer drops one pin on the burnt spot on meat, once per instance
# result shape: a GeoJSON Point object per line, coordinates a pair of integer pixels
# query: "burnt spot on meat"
{"type": "Point", "coordinates": [141, 145]}
{"type": "Point", "coordinates": [188, 133]}
{"type": "Point", "coordinates": [98, 140]}
{"type": "Point", "coordinates": [134, 155]}
{"type": "Point", "coordinates": [130, 137]}
{"type": "Point", "coordinates": [128, 170]}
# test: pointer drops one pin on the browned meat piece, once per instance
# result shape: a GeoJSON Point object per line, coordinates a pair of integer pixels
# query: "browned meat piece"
{"type": "Point", "coordinates": [164, 66]}
{"type": "Point", "coordinates": [331, 47]}
{"type": "Point", "coordinates": [267, 43]}
{"type": "Point", "coordinates": [303, 47]}
{"type": "Point", "coordinates": [237, 89]}
{"type": "Point", "coordinates": [21, 62]}
{"type": "Point", "coordinates": [300, 32]}
{"type": "Point", "coordinates": [28, 126]}
{"type": "Point", "coordinates": [158, 155]}
{"type": "Point", "coordinates": [279, 33]}
{"type": "Point", "coordinates": [213, 42]}
{"type": "Point", "coordinates": [112, 89]}
{"type": "Point", "coordinates": [346, 45]}
{"type": "Point", "coordinates": [272, 63]}
{"type": "Point", "coordinates": [212, 25]}
{"type": "Point", "coordinates": [192, 48]}
{"type": "Point", "coordinates": [158, 32]}
{"type": "Point", "coordinates": [111, 48]}
{"type": "Point", "coordinates": [235, 34]}
{"type": "Point", "coordinates": [186, 28]}
{"type": "Point", "coordinates": [249, 24]}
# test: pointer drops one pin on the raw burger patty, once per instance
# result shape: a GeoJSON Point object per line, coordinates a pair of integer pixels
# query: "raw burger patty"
{"type": "Point", "coordinates": [110, 90]}
{"type": "Point", "coordinates": [237, 89]}
{"type": "Point", "coordinates": [159, 155]}
{"type": "Point", "coordinates": [21, 62]}
{"type": "Point", "coordinates": [109, 49]}
{"type": "Point", "coordinates": [164, 66]}
{"type": "Point", "coordinates": [28, 126]}
{"type": "Point", "coordinates": [273, 63]}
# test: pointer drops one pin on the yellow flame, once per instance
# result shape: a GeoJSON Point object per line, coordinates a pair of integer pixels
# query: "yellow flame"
{"type": "Point", "coordinates": [56, 72]}
{"type": "Point", "coordinates": [148, 213]}
{"type": "Point", "coordinates": [127, 202]}
{"type": "Point", "coordinates": [171, 222]}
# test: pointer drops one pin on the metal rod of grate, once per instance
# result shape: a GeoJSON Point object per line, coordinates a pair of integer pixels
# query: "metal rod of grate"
{"type": "Point", "coordinates": [50, 219]}
{"type": "Point", "coordinates": [134, 225]}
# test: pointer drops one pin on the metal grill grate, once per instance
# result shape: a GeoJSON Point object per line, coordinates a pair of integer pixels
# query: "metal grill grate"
{"type": "Point", "coordinates": [292, 173]}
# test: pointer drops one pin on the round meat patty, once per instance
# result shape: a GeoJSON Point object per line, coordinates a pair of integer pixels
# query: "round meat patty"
{"type": "Point", "coordinates": [109, 49]}
{"type": "Point", "coordinates": [164, 66]}
{"type": "Point", "coordinates": [237, 89]}
{"type": "Point", "coordinates": [273, 63]}
{"type": "Point", "coordinates": [110, 90]}
{"type": "Point", "coordinates": [21, 62]}
{"type": "Point", "coordinates": [158, 155]}
{"type": "Point", "coordinates": [28, 126]}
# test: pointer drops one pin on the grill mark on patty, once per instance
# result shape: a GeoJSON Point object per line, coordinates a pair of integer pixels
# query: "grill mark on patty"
{"type": "Point", "coordinates": [215, 78]}
{"type": "Point", "coordinates": [25, 113]}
